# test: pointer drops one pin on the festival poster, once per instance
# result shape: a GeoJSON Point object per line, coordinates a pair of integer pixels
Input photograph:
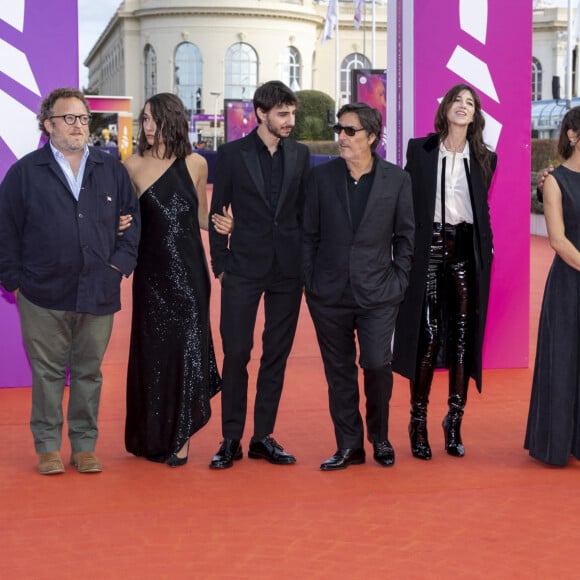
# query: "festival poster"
{"type": "Point", "coordinates": [239, 119]}
{"type": "Point", "coordinates": [370, 87]}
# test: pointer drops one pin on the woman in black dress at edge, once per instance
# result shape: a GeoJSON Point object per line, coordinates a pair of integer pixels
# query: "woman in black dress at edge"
{"type": "Point", "coordinates": [172, 372]}
{"type": "Point", "coordinates": [553, 430]}
{"type": "Point", "coordinates": [441, 321]}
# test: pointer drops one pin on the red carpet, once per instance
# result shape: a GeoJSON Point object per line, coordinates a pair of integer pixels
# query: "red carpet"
{"type": "Point", "coordinates": [495, 513]}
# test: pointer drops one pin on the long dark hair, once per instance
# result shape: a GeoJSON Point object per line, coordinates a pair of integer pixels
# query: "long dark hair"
{"type": "Point", "coordinates": [474, 130]}
{"type": "Point", "coordinates": [170, 117]}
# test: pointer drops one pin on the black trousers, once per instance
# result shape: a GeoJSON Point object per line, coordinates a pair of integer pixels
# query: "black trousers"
{"type": "Point", "coordinates": [336, 326]}
{"type": "Point", "coordinates": [448, 312]}
{"type": "Point", "coordinates": [240, 298]}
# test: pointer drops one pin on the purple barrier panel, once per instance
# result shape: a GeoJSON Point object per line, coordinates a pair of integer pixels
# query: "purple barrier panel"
{"type": "Point", "coordinates": [14, 366]}
{"type": "Point", "coordinates": [38, 53]}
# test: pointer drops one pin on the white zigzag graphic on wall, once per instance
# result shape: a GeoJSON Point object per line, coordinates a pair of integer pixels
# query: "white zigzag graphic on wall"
{"type": "Point", "coordinates": [13, 14]}
{"type": "Point", "coordinates": [473, 21]}
{"type": "Point", "coordinates": [473, 18]}
{"type": "Point", "coordinates": [20, 133]}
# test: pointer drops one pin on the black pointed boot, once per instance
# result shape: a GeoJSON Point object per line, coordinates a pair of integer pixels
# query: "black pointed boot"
{"type": "Point", "coordinates": [420, 447]}
{"type": "Point", "coordinates": [452, 425]}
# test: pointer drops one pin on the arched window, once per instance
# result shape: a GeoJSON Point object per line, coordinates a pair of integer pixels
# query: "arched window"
{"type": "Point", "coordinates": [241, 71]}
{"type": "Point", "coordinates": [291, 68]}
{"type": "Point", "coordinates": [536, 79]}
{"type": "Point", "coordinates": [353, 61]}
{"type": "Point", "coordinates": [188, 76]}
{"type": "Point", "coordinates": [150, 71]}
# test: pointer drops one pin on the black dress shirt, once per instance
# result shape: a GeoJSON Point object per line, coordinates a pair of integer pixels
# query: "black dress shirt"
{"type": "Point", "coordinates": [358, 194]}
{"type": "Point", "coordinates": [272, 169]}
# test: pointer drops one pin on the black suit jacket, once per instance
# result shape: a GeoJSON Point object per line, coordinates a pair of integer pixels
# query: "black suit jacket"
{"type": "Point", "coordinates": [422, 159]}
{"type": "Point", "coordinates": [260, 234]}
{"type": "Point", "coordinates": [376, 259]}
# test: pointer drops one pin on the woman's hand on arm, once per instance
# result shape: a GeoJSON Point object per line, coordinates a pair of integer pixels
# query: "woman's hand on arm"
{"type": "Point", "coordinates": [223, 223]}
{"type": "Point", "coordinates": [124, 223]}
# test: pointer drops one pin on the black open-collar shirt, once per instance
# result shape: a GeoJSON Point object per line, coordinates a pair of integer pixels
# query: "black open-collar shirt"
{"type": "Point", "coordinates": [358, 193]}
{"type": "Point", "coordinates": [272, 167]}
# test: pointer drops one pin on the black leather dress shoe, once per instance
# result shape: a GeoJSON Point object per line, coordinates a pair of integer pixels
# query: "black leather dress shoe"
{"type": "Point", "coordinates": [229, 451]}
{"type": "Point", "coordinates": [343, 458]}
{"type": "Point", "coordinates": [383, 453]}
{"type": "Point", "coordinates": [270, 450]}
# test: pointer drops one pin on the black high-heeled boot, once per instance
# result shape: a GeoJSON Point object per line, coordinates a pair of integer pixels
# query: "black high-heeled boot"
{"type": "Point", "coordinates": [452, 426]}
{"type": "Point", "coordinates": [462, 329]}
{"type": "Point", "coordinates": [420, 447]}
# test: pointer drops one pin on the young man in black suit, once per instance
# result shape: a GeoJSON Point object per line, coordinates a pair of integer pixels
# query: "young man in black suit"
{"type": "Point", "coordinates": [358, 245]}
{"type": "Point", "coordinates": [262, 177]}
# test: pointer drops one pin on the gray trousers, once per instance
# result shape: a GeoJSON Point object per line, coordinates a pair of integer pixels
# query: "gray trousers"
{"type": "Point", "coordinates": [56, 340]}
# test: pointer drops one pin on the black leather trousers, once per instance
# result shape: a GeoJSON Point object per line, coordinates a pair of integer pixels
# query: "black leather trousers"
{"type": "Point", "coordinates": [448, 314]}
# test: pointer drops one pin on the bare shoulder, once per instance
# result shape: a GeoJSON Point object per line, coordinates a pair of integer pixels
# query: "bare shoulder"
{"type": "Point", "coordinates": [195, 161]}
{"type": "Point", "coordinates": [197, 165]}
{"type": "Point", "coordinates": [133, 163]}
{"type": "Point", "coordinates": [551, 187]}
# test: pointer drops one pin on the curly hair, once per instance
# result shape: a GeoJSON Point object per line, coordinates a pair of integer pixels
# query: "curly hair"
{"type": "Point", "coordinates": [172, 124]}
{"type": "Point", "coordinates": [47, 105]}
{"type": "Point", "coordinates": [474, 131]}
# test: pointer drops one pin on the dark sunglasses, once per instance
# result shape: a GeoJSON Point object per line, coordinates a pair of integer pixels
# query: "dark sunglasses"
{"type": "Point", "coordinates": [349, 131]}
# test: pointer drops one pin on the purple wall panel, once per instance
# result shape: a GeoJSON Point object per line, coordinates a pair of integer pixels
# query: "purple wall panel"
{"type": "Point", "coordinates": [38, 52]}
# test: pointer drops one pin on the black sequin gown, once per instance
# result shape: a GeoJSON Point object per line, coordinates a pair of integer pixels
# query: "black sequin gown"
{"type": "Point", "coordinates": [172, 372]}
{"type": "Point", "coordinates": [553, 432]}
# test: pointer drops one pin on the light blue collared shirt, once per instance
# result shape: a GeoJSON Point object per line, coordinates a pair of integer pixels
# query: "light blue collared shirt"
{"type": "Point", "coordinates": [74, 183]}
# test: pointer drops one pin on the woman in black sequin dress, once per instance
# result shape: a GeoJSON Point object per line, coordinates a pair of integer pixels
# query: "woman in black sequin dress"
{"type": "Point", "coordinates": [172, 372]}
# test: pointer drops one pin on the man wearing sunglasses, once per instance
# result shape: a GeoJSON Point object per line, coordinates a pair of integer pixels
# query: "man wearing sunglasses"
{"type": "Point", "coordinates": [357, 250]}
{"type": "Point", "coordinates": [62, 258]}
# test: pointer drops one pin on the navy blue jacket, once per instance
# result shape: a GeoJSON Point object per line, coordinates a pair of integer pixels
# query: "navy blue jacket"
{"type": "Point", "coordinates": [58, 251]}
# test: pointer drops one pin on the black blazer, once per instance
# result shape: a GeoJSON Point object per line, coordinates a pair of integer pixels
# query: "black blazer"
{"type": "Point", "coordinates": [422, 159]}
{"type": "Point", "coordinates": [376, 259]}
{"type": "Point", "coordinates": [260, 235]}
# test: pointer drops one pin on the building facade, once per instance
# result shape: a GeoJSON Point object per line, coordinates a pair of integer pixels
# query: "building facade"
{"type": "Point", "coordinates": [550, 53]}
{"type": "Point", "coordinates": [209, 50]}
{"type": "Point", "coordinates": [553, 90]}
{"type": "Point", "coordinates": [206, 51]}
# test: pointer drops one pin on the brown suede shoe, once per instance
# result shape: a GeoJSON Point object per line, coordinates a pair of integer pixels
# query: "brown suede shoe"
{"type": "Point", "coordinates": [50, 463]}
{"type": "Point", "coordinates": [86, 462]}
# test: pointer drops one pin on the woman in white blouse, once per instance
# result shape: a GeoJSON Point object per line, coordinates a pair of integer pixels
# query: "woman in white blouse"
{"type": "Point", "coordinates": [441, 321]}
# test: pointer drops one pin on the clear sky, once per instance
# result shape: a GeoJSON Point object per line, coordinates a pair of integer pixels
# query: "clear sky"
{"type": "Point", "coordinates": [562, 3]}
{"type": "Point", "coordinates": [94, 15]}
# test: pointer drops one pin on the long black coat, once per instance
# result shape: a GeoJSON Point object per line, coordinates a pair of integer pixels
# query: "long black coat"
{"type": "Point", "coordinates": [422, 158]}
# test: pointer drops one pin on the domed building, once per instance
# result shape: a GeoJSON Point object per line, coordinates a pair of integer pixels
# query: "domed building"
{"type": "Point", "coordinates": [209, 50]}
